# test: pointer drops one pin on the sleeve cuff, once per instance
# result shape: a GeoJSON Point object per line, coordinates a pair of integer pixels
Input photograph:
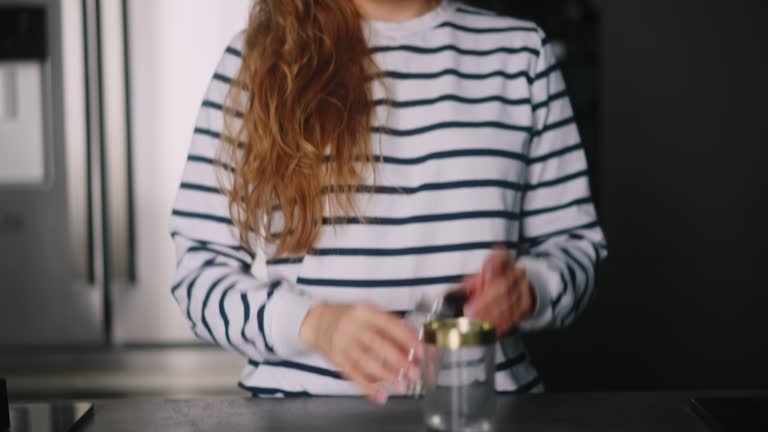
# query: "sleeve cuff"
{"type": "Point", "coordinates": [284, 315]}
{"type": "Point", "coordinates": [545, 283]}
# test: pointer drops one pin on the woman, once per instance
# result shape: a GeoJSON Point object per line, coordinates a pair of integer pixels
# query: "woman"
{"type": "Point", "coordinates": [375, 151]}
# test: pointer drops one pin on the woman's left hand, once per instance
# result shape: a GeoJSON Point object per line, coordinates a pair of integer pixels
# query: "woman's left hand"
{"type": "Point", "coordinates": [500, 293]}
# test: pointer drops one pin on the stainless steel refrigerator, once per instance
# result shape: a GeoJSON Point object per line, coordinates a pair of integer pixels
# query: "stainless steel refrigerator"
{"type": "Point", "coordinates": [95, 120]}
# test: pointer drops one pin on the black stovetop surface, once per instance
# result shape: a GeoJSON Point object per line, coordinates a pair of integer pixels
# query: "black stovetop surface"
{"type": "Point", "coordinates": [41, 417]}
{"type": "Point", "coordinates": [49, 417]}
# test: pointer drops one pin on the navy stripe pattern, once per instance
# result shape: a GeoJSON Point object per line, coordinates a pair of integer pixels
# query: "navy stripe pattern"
{"type": "Point", "coordinates": [454, 48]}
{"type": "Point", "coordinates": [474, 145]}
{"type": "Point", "coordinates": [476, 76]}
{"type": "Point", "coordinates": [463, 28]}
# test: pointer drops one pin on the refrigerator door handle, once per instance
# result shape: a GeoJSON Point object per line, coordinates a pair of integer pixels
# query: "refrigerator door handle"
{"type": "Point", "coordinates": [118, 173]}
{"type": "Point", "coordinates": [98, 167]}
{"type": "Point", "coordinates": [93, 140]}
{"type": "Point", "coordinates": [131, 211]}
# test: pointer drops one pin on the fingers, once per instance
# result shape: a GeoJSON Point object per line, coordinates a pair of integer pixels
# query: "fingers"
{"type": "Point", "coordinates": [371, 390]}
{"type": "Point", "coordinates": [385, 360]}
{"type": "Point", "coordinates": [502, 301]}
{"type": "Point", "coordinates": [393, 328]}
{"type": "Point", "coordinates": [489, 303]}
{"type": "Point", "coordinates": [371, 349]}
{"type": "Point", "coordinates": [385, 323]}
{"type": "Point", "coordinates": [498, 259]}
{"type": "Point", "coordinates": [496, 263]}
{"type": "Point", "coordinates": [472, 284]}
{"type": "Point", "coordinates": [497, 292]}
{"type": "Point", "coordinates": [373, 367]}
{"type": "Point", "coordinates": [374, 363]}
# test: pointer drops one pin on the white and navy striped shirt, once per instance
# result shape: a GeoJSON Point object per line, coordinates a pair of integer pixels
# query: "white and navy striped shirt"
{"type": "Point", "coordinates": [479, 147]}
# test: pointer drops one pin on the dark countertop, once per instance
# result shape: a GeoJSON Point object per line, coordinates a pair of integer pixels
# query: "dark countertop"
{"type": "Point", "coordinates": [546, 412]}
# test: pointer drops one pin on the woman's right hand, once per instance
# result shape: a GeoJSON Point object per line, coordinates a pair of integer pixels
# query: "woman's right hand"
{"type": "Point", "coordinates": [367, 345]}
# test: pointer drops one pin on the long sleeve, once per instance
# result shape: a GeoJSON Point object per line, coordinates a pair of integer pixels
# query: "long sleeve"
{"type": "Point", "coordinates": [214, 286]}
{"type": "Point", "coordinates": [561, 241]}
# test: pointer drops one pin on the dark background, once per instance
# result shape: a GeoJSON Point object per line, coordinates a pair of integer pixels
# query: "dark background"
{"type": "Point", "coordinates": [679, 171]}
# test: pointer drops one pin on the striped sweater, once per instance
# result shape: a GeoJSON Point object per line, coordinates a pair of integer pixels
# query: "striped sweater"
{"type": "Point", "coordinates": [478, 147]}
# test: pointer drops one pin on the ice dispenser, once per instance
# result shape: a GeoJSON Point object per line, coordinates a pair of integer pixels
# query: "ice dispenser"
{"type": "Point", "coordinates": [23, 89]}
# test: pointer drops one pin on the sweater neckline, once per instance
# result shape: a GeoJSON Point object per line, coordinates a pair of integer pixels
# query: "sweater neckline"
{"type": "Point", "coordinates": [418, 24]}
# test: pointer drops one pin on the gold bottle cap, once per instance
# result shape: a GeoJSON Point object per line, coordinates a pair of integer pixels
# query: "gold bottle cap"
{"type": "Point", "coordinates": [455, 333]}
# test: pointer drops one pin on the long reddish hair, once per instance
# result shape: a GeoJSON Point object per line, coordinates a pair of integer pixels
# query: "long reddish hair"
{"type": "Point", "coordinates": [297, 126]}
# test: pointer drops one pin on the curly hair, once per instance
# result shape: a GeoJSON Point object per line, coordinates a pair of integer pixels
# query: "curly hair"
{"type": "Point", "coordinates": [297, 122]}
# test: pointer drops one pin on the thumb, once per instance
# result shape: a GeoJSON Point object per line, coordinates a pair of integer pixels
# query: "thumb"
{"type": "Point", "coordinates": [472, 284]}
{"type": "Point", "coordinates": [495, 263]}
